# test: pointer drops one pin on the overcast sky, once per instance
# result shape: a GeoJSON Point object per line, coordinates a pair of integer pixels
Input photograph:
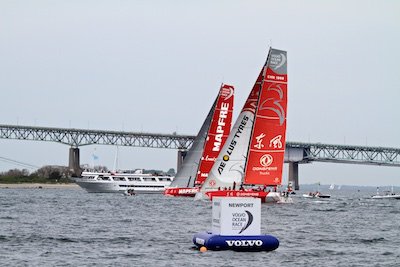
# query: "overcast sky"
{"type": "Point", "coordinates": [156, 66]}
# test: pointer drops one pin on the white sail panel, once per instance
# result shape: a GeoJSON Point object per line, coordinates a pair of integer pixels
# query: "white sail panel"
{"type": "Point", "coordinates": [229, 166]}
{"type": "Point", "coordinates": [230, 163]}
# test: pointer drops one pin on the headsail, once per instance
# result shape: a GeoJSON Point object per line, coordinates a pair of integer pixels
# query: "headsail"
{"type": "Point", "coordinates": [217, 133]}
{"type": "Point", "coordinates": [232, 165]}
{"type": "Point", "coordinates": [211, 137]}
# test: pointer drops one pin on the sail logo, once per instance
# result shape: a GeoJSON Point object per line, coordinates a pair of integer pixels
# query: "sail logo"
{"type": "Point", "coordinates": [266, 160]}
{"type": "Point", "coordinates": [232, 144]}
{"type": "Point", "coordinates": [212, 183]}
{"type": "Point", "coordinates": [227, 92]}
{"type": "Point", "coordinates": [274, 104]}
{"type": "Point", "coordinates": [223, 113]}
{"type": "Point", "coordinates": [251, 103]}
{"type": "Point", "coordinates": [241, 220]}
{"type": "Point", "coordinates": [276, 142]}
{"type": "Point", "coordinates": [277, 60]}
{"type": "Point", "coordinates": [259, 140]}
{"type": "Point", "coordinates": [188, 190]}
{"type": "Point", "coordinates": [207, 158]}
{"type": "Point", "coordinates": [244, 243]}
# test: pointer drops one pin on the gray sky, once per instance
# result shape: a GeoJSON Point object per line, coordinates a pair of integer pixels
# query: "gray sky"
{"type": "Point", "coordinates": [156, 66]}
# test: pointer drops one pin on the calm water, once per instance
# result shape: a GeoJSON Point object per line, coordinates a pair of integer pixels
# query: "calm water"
{"type": "Point", "coordinates": [69, 227]}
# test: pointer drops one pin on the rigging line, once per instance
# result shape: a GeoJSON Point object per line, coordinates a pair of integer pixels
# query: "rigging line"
{"type": "Point", "coordinates": [19, 163]}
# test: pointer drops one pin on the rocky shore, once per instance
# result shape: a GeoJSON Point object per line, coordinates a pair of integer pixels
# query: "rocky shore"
{"type": "Point", "coordinates": [39, 186]}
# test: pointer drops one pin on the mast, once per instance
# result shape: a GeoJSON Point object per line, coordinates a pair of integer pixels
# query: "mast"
{"type": "Point", "coordinates": [262, 74]}
{"type": "Point", "coordinates": [116, 160]}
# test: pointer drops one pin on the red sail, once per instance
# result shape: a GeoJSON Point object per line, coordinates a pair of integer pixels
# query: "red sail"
{"type": "Point", "coordinates": [218, 132]}
{"type": "Point", "coordinates": [267, 144]}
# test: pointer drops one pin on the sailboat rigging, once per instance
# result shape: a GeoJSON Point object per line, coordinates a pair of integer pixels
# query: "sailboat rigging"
{"type": "Point", "coordinates": [252, 157]}
{"type": "Point", "coordinates": [206, 146]}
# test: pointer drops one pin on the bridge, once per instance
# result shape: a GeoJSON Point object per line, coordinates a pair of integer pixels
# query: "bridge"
{"type": "Point", "coordinates": [296, 153]}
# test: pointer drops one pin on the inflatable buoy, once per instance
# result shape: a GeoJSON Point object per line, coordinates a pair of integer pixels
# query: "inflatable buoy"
{"type": "Point", "coordinates": [236, 242]}
{"type": "Point", "coordinates": [203, 249]}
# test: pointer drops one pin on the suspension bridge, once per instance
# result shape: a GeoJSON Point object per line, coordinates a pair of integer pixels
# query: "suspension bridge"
{"type": "Point", "coordinates": [296, 153]}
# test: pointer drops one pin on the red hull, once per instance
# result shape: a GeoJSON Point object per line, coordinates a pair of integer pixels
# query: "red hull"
{"type": "Point", "coordinates": [181, 191]}
{"type": "Point", "coordinates": [238, 193]}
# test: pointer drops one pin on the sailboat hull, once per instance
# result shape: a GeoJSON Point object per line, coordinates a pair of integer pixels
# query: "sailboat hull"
{"type": "Point", "coordinates": [181, 191]}
{"type": "Point", "coordinates": [316, 195]}
{"type": "Point", "coordinates": [236, 243]}
{"type": "Point", "coordinates": [394, 196]}
{"type": "Point", "coordinates": [264, 196]}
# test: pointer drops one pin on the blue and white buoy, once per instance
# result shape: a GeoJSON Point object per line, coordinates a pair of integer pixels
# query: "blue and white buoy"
{"type": "Point", "coordinates": [236, 226]}
{"type": "Point", "coordinates": [236, 242]}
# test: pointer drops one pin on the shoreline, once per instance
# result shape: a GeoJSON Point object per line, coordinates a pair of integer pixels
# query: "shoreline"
{"type": "Point", "coordinates": [39, 186]}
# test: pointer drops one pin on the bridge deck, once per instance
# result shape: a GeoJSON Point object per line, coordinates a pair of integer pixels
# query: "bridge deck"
{"type": "Point", "coordinates": [295, 151]}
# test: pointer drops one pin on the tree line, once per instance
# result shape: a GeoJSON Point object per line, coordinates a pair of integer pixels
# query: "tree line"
{"type": "Point", "coordinates": [46, 174]}
{"type": "Point", "coordinates": [55, 174]}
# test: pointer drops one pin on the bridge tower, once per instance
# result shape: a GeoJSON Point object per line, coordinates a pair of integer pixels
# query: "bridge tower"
{"type": "Point", "coordinates": [181, 156]}
{"type": "Point", "coordinates": [74, 164]}
{"type": "Point", "coordinates": [294, 174]}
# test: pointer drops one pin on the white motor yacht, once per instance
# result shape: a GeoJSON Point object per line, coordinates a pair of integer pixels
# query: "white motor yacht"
{"type": "Point", "coordinates": [120, 182]}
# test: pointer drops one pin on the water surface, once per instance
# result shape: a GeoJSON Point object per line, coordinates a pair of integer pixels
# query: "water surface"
{"type": "Point", "coordinates": [69, 227]}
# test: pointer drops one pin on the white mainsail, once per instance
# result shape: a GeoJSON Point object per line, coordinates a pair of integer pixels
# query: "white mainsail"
{"type": "Point", "coordinates": [230, 163]}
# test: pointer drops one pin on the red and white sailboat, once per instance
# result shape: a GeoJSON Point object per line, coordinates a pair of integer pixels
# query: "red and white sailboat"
{"type": "Point", "coordinates": [251, 160]}
{"type": "Point", "coordinates": [206, 146]}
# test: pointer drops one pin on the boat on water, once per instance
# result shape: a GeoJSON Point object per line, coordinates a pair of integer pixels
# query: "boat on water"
{"type": "Point", "coordinates": [386, 194]}
{"type": "Point", "coordinates": [289, 189]}
{"type": "Point", "coordinates": [316, 194]}
{"type": "Point", "coordinates": [129, 192]}
{"type": "Point", "coordinates": [206, 146]}
{"type": "Point", "coordinates": [253, 155]}
{"type": "Point", "coordinates": [120, 182]}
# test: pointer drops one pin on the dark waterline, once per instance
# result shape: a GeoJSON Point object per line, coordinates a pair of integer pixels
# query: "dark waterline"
{"type": "Point", "coordinates": [69, 227]}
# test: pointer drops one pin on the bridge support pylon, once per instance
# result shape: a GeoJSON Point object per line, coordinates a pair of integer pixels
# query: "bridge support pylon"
{"type": "Point", "coordinates": [294, 175]}
{"type": "Point", "coordinates": [74, 165]}
{"type": "Point", "coordinates": [181, 157]}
